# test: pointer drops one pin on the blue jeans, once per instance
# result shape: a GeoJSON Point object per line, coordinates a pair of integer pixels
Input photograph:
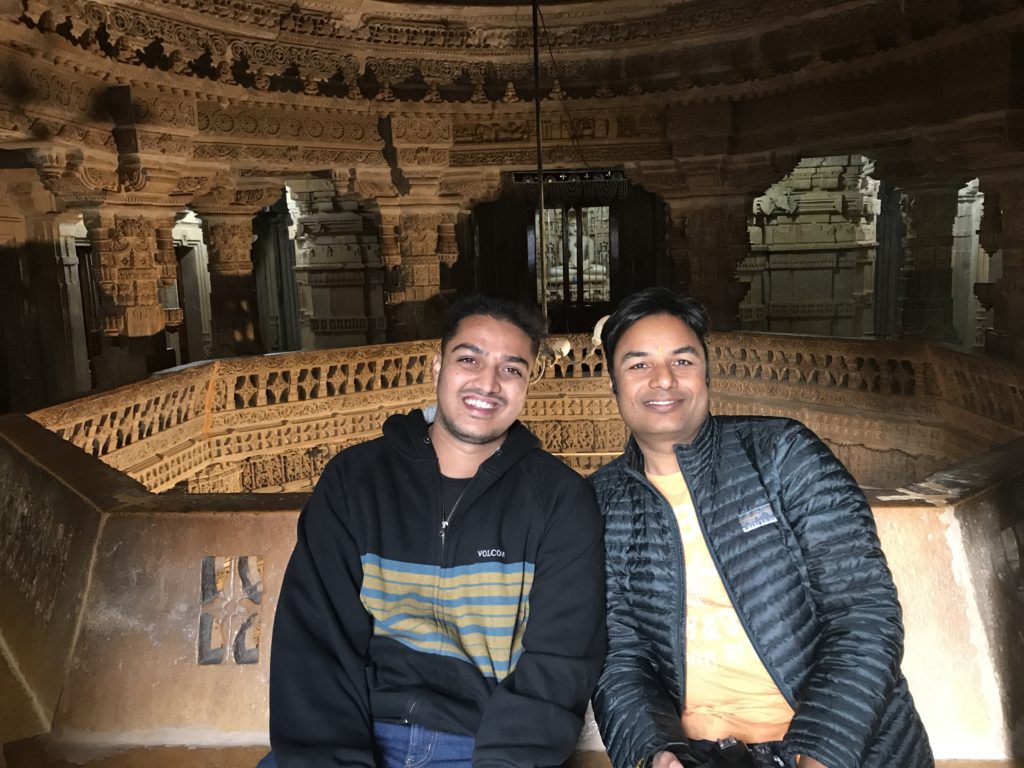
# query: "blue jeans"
{"type": "Point", "coordinates": [413, 746]}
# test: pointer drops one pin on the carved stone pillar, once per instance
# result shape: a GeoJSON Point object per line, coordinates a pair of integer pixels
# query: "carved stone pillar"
{"type": "Point", "coordinates": [1002, 236]}
{"type": "Point", "coordinates": [414, 245]}
{"type": "Point", "coordinates": [926, 302]}
{"type": "Point", "coordinates": [234, 322]}
{"type": "Point", "coordinates": [337, 268]}
{"type": "Point", "coordinates": [130, 316]}
{"type": "Point", "coordinates": [274, 264]}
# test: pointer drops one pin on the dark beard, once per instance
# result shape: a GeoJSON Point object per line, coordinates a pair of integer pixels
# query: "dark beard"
{"type": "Point", "coordinates": [465, 437]}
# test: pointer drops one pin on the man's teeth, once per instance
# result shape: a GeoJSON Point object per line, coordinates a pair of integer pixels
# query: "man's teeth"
{"type": "Point", "coordinates": [474, 403]}
{"type": "Point", "coordinates": [660, 402]}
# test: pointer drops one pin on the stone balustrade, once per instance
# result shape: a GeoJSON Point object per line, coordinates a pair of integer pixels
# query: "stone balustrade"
{"type": "Point", "coordinates": [270, 423]}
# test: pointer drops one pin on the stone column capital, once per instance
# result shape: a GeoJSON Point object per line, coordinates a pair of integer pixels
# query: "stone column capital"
{"type": "Point", "coordinates": [125, 248]}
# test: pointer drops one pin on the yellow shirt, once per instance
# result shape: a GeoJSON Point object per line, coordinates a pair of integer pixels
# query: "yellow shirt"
{"type": "Point", "coordinates": [728, 690]}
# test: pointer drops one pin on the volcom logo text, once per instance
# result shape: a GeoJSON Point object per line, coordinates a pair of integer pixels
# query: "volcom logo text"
{"type": "Point", "coordinates": [490, 553]}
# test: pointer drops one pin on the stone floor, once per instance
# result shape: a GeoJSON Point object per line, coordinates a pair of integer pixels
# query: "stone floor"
{"type": "Point", "coordinates": [38, 753]}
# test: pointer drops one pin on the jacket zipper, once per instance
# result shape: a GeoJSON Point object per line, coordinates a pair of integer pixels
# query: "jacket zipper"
{"type": "Point", "coordinates": [735, 604]}
{"type": "Point", "coordinates": [678, 635]}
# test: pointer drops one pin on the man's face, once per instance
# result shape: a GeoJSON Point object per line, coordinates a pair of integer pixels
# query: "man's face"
{"type": "Point", "coordinates": [660, 380]}
{"type": "Point", "coordinates": [481, 379]}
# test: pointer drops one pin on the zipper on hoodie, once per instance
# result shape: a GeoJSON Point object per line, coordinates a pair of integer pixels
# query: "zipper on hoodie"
{"type": "Point", "coordinates": [446, 522]}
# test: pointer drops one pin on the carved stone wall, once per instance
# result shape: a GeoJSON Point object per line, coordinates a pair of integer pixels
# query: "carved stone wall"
{"type": "Point", "coordinates": [127, 106]}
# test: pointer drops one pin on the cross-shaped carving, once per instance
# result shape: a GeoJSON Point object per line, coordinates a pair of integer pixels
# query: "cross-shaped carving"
{"type": "Point", "coordinates": [231, 596]}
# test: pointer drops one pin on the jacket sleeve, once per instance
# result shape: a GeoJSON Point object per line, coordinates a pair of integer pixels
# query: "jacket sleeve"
{"type": "Point", "coordinates": [860, 643]}
{"type": "Point", "coordinates": [319, 700]}
{"type": "Point", "coordinates": [632, 705]}
{"type": "Point", "coordinates": [535, 714]}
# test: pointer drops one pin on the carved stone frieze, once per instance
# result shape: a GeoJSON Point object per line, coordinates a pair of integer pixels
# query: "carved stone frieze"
{"type": "Point", "coordinates": [290, 125]}
{"type": "Point", "coordinates": [269, 423]}
{"type": "Point", "coordinates": [480, 187]}
{"type": "Point", "coordinates": [422, 130]}
{"type": "Point", "coordinates": [424, 156]}
{"type": "Point", "coordinates": [559, 155]}
{"type": "Point", "coordinates": [236, 203]}
{"type": "Point", "coordinates": [689, 47]}
{"type": "Point", "coordinates": [287, 156]}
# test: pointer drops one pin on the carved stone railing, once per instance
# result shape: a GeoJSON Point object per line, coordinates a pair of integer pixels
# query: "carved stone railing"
{"type": "Point", "coordinates": [271, 423]}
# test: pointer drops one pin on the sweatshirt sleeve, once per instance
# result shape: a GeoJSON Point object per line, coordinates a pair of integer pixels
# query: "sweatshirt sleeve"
{"type": "Point", "coordinates": [319, 701]}
{"type": "Point", "coordinates": [535, 715]}
{"type": "Point", "coordinates": [860, 643]}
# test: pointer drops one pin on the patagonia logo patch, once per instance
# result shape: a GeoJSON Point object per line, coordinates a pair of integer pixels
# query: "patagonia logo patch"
{"type": "Point", "coordinates": [755, 518]}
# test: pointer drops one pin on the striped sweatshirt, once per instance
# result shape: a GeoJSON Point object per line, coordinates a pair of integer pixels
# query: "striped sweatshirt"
{"type": "Point", "coordinates": [494, 630]}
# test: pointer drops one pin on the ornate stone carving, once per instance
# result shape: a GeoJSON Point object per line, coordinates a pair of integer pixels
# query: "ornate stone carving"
{"type": "Point", "coordinates": [230, 623]}
{"type": "Point", "coordinates": [125, 250]}
{"type": "Point", "coordinates": [230, 245]}
{"type": "Point", "coordinates": [664, 45]}
{"type": "Point", "coordinates": [269, 423]}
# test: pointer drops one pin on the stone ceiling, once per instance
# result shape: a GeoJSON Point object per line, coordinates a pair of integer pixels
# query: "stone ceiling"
{"type": "Point", "coordinates": [162, 101]}
{"type": "Point", "coordinates": [429, 52]}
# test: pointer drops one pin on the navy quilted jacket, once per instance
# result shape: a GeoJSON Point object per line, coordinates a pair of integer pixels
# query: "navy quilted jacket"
{"type": "Point", "coordinates": [807, 578]}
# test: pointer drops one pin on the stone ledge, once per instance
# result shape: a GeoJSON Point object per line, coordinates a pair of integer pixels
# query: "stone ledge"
{"type": "Point", "coordinates": [39, 753]}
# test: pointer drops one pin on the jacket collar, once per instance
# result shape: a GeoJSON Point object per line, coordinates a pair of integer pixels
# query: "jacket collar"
{"type": "Point", "coordinates": [694, 459]}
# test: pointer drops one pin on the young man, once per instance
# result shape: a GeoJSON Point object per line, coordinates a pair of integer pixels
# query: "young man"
{"type": "Point", "coordinates": [439, 607]}
{"type": "Point", "coordinates": [748, 597]}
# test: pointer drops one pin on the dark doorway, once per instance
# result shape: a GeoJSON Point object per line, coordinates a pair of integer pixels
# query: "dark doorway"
{"type": "Point", "coordinates": [597, 252]}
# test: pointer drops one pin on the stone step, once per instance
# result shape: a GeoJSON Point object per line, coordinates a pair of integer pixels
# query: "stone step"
{"type": "Point", "coordinates": [43, 753]}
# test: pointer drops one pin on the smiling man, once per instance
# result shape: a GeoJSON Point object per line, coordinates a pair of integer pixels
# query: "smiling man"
{"type": "Point", "coordinates": [752, 620]}
{"type": "Point", "coordinates": [439, 608]}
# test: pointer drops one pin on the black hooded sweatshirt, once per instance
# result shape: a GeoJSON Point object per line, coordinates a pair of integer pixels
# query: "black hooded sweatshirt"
{"type": "Point", "coordinates": [494, 629]}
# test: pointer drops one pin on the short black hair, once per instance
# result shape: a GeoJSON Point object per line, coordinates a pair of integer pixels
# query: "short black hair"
{"type": "Point", "coordinates": [525, 317]}
{"type": "Point", "coordinates": [655, 301]}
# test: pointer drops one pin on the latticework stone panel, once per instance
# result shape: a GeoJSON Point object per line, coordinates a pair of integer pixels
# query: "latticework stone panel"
{"type": "Point", "coordinates": [893, 412]}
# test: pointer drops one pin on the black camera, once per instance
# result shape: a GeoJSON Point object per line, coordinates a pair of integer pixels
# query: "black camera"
{"type": "Point", "coordinates": [733, 753]}
{"type": "Point", "coordinates": [729, 752]}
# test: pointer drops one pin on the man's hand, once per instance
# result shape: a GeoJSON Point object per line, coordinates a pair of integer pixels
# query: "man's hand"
{"type": "Point", "coordinates": [809, 762]}
{"type": "Point", "coordinates": [666, 760]}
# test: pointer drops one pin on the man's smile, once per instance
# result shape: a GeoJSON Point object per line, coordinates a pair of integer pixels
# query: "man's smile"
{"type": "Point", "coordinates": [481, 404]}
